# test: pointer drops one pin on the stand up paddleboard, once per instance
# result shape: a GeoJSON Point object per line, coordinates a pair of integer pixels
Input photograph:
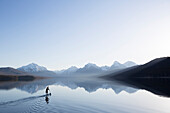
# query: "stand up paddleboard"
{"type": "Point", "coordinates": [49, 94]}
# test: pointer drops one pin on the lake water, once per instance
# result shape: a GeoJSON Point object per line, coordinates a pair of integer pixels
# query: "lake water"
{"type": "Point", "coordinates": [80, 95]}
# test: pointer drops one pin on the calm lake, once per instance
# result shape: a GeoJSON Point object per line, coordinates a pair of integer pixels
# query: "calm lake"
{"type": "Point", "coordinates": [78, 95]}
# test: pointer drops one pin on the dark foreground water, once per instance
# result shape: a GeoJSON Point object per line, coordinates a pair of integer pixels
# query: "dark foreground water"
{"type": "Point", "coordinates": [78, 96]}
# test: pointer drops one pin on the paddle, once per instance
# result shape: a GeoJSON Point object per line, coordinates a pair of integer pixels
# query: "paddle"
{"type": "Point", "coordinates": [50, 92]}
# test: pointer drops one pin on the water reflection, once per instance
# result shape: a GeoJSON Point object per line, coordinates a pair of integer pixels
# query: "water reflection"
{"type": "Point", "coordinates": [156, 86]}
{"type": "Point", "coordinates": [79, 101]}
{"type": "Point", "coordinates": [89, 84]}
{"type": "Point", "coordinates": [47, 99]}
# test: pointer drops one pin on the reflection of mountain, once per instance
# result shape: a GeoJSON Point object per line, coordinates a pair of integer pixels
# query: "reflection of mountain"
{"type": "Point", "coordinates": [35, 86]}
{"type": "Point", "coordinates": [153, 76]}
{"type": "Point", "coordinates": [93, 84]}
{"type": "Point", "coordinates": [158, 86]}
{"type": "Point", "coordinates": [90, 85]}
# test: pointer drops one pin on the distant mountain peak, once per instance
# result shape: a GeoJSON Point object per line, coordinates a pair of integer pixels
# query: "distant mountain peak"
{"type": "Point", "coordinates": [90, 65]}
{"type": "Point", "coordinates": [32, 68]}
{"type": "Point", "coordinates": [105, 68]}
{"type": "Point", "coordinates": [157, 68]}
{"type": "Point", "coordinates": [32, 64]}
{"type": "Point", "coordinates": [73, 67]}
{"type": "Point", "coordinates": [116, 63]}
{"type": "Point", "coordinates": [92, 68]}
{"type": "Point", "coordinates": [129, 64]}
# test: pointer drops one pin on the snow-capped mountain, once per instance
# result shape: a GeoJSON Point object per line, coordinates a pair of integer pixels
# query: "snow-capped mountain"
{"type": "Point", "coordinates": [129, 64]}
{"type": "Point", "coordinates": [32, 68]}
{"type": "Point", "coordinates": [105, 68]}
{"type": "Point", "coordinates": [117, 65]}
{"type": "Point", "coordinates": [88, 69]}
{"type": "Point", "coordinates": [91, 68]}
{"type": "Point", "coordinates": [72, 69]}
{"type": "Point", "coordinates": [91, 65]}
{"type": "Point", "coordinates": [37, 70]}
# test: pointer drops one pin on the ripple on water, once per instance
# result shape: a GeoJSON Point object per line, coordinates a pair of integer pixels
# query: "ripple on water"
{"type": "Point", "coordinates": [37, 104]}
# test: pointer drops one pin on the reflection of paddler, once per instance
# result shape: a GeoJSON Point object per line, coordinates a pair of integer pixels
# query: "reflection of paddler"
{"type": "Point", "coordinates": [47, 99]}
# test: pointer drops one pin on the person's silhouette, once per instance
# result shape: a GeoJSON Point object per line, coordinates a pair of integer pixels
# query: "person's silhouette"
{"type": "Point", "coordinates": [47, 94]}
{"type": "Point", "coordinates": [47, 89]}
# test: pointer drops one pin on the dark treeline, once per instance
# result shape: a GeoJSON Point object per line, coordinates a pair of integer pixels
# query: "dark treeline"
{"type": "Point", "coordinates": [16, 78]}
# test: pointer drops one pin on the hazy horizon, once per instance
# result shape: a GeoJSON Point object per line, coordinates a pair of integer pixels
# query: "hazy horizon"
{"type": "Point", "coordinates": [59, 34]}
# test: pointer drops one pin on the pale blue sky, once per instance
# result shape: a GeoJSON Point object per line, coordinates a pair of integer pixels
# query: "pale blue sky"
{"type": "Point", "coordinates": [61, 33]}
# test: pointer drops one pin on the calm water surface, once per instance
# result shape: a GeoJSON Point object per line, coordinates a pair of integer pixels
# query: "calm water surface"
{"type": "Point", "coordinates": [78, 96]}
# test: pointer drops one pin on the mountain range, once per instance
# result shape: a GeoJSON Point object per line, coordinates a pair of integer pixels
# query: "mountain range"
{"type": "Point", "coordinates": [153, 76]}
{"type": "Point", "coordinates": [157, 68]}
{"type": "Point", "coordinates": [88, 69]}
{"type": "Point", "coordinates": [93, 69]}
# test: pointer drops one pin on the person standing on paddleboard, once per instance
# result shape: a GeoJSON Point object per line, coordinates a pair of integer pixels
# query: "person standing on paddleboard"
{"type": "Point", "coordinates": [47, 89]}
